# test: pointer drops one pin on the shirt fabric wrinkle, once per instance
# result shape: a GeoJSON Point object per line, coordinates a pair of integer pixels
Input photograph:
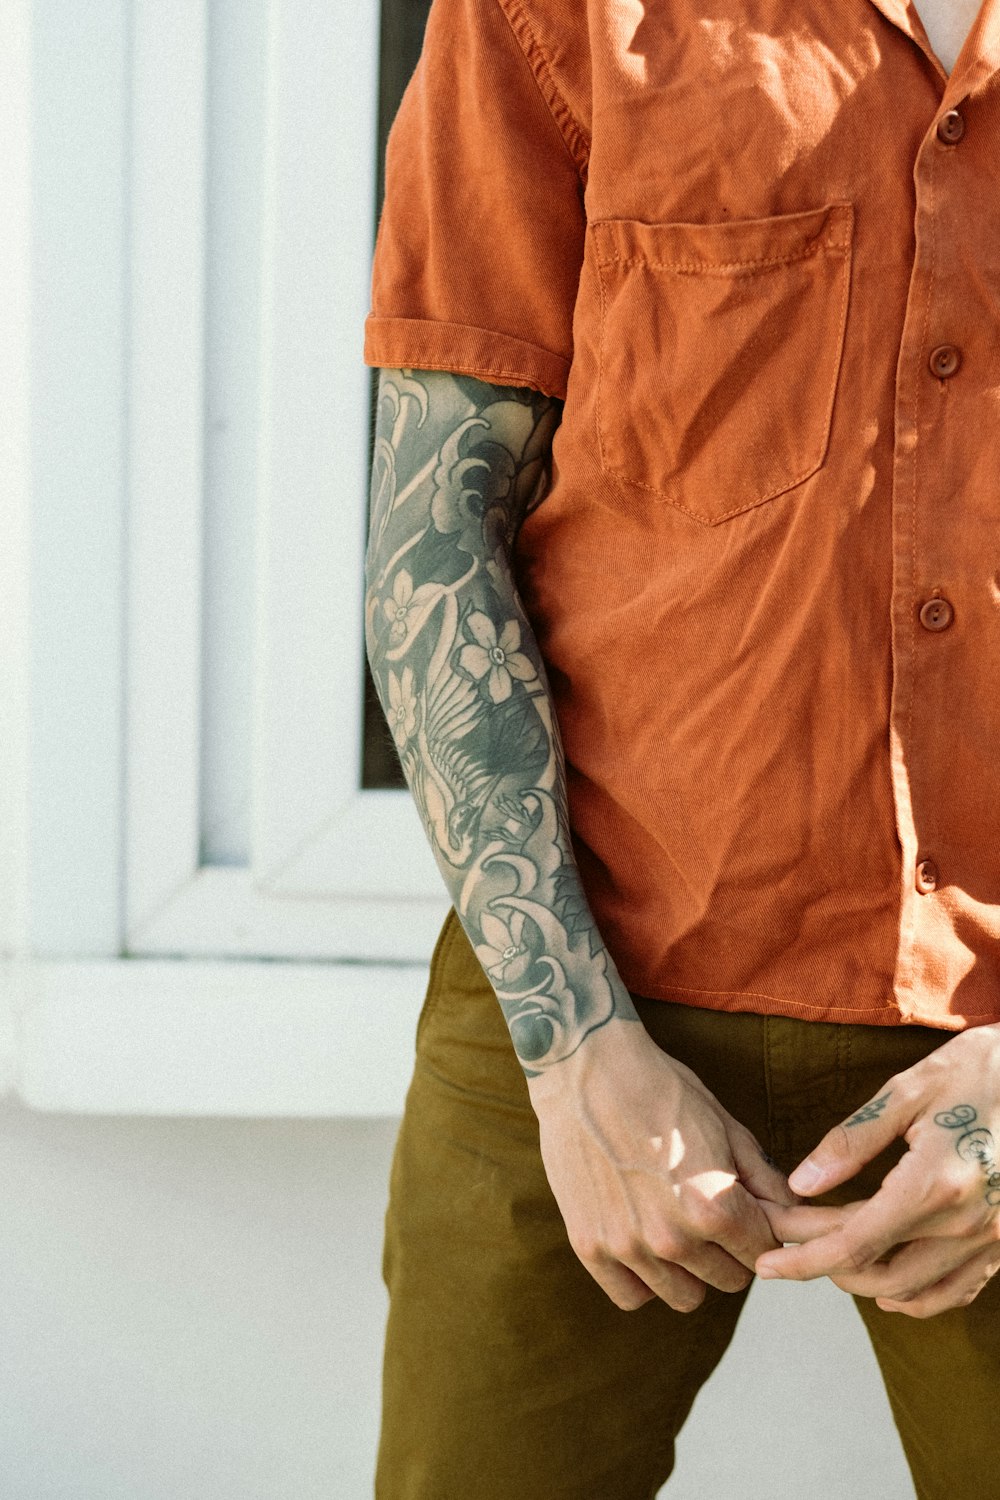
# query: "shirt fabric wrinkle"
{"type": "Point", "coordinates": [576, 139]}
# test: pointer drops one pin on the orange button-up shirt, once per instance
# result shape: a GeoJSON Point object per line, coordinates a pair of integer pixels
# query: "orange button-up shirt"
{"type": "Point", "coordinates": [756, 249]}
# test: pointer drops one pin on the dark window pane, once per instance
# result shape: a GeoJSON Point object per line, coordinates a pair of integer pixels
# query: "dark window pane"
{"type": "Point", "coordinates": [402, 33]}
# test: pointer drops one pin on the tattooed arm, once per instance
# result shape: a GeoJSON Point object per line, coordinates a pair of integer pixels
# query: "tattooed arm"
{"type": "Point", "coordinates": [460, 678]}
{"type": "Point", "coordinates": [457, 465]}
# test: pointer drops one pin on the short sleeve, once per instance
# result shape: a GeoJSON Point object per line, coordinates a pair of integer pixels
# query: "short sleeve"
{"type": "Point", "coordinates": [480, 241]}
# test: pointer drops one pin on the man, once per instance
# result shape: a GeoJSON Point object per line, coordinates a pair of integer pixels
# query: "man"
{"type": "Point", "coordinates": [686, 457]}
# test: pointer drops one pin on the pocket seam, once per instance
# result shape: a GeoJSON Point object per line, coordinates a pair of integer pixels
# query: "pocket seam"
{"type": "Point", "coordinates": [830, 236]}
{"type": "Point", "coordinates": [720, 267]}
{"type": "Point", "coordinates": [446, 940]}
{"type": "Point", "coordinates": [841, 247]}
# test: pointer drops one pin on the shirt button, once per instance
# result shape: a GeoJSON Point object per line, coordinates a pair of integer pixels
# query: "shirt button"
{"type": "Point", "coordinates": [927, 876]}
{"type": "Point", "coordinates": [950, 127]}
{"type": "Point", "coordinates": [936, 614]}
{"type": "Point", "coordinates": [945, 360]}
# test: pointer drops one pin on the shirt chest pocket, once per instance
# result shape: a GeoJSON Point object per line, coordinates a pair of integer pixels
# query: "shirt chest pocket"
{"type": "Point", "coordinates": [720, 347]}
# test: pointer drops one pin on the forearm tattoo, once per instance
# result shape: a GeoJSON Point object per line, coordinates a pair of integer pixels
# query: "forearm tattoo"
{"type": "Point", "coordinates": [974, 1143]}
{"type": "Point", "coordinates": [457, 465]}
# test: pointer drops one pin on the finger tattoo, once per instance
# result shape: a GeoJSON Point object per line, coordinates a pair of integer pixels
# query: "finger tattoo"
{"type": "Point", "coordinates": [870, 1111]}
{"type": "Point", "coordinates": [974, 1143]}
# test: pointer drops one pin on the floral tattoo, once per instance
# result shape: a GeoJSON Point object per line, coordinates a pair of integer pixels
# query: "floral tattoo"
{"type": "Point", "coordinates": [457, 466]}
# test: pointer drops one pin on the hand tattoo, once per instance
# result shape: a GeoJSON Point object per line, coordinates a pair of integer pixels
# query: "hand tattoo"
{"type": "Point", "coordinates": [975, 1143]}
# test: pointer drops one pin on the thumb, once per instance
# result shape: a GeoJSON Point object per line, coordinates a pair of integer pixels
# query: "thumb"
{"type": "Point", "coordinates": [761, 1177]}
{"type": "Point", "coordinates": [846, 1148]}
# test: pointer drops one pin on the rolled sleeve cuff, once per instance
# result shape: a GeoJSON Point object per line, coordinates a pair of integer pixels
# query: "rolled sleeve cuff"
{"type": "Point", "coordinates": [415, 344]}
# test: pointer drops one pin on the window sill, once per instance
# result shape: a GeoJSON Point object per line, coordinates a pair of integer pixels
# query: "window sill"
{"type": "Point", "coordinates": [196, 1037]}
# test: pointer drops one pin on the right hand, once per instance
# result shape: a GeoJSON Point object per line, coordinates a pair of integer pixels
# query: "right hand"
{"type": "Point", "coordinates": [661, 1190]}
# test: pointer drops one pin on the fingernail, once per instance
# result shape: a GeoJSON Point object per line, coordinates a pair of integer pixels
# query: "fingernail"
{"type": "Point", "coordinates": [768, 1273]}
{"type": "Point", "coordinates": [805, 1177]}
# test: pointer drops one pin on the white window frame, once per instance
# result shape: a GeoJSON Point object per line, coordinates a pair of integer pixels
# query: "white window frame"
{"type": "Point", "coordinates": [132, 978]}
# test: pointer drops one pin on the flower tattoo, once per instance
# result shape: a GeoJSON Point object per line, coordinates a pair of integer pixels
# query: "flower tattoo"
{"type": "Point", "coordinates": [504, 955]}
{"type": "Point", "coordinates": [494, 661]}
{"type": "Point", "coordinates": [402, 713]}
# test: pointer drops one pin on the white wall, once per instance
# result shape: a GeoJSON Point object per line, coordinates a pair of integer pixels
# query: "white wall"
{"type": "Point", "coordinates": [189, 1308]}
{"type": "Point", "coordinates": [194, 1308]}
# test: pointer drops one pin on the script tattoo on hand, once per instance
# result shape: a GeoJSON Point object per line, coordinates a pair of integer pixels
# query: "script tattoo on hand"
{"type": "Point", "coordinates": [869, 1112]}
{"type": "Point", "coordinates": [974, 1143]}
{"type": "Point", "coordinates": [458, 464]}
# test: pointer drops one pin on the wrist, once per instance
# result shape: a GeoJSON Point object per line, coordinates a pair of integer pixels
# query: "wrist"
{"type": "Point", "coordinates": [610, 1049]}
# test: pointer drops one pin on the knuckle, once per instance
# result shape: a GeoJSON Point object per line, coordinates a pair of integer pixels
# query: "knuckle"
{"type": "Point", "coordinates": [748, 1142]}
{"type": "Point", "coordinates": [857, 1258]}
{"type": "Point", "coordinates": [586, 1249]}
{"type": "Point", "coordinates": [950, 1192]}
{"type": "Point", "coordinates": [666, 1246]}
{"type": "Point", "coordinates": [622, 1249]}
{"type": "Point", "coordinates": [899, 1086]}
{"type": "Point", "coordinates": [708, 1218]}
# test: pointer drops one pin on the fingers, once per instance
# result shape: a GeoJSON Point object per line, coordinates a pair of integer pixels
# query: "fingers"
{"type": "Point", "coordinates": [674, 1285]}
{"type": "Point", "coordinates": [759, 1175]}
{"type": "Point", "coordinates": [631, 1286]}
{"type": "Point", "coordinates": [911, 1271]}
{"type": "Point", "coordinates": [807, 1221]}
{"type": "Point", "coordinates": [923, 1197]}
{"type": "Point", "coordinates": [846, 1148]}
{"type": "Point", "coordinates": [671, 1265]}
{"type": "Point", "coordinates": [905, 1278]}
{"type": "Point", "coordinates": [862, 1238]}
{"type": "Point", "coordinates": [842, 1252]}
{"type": "Point", "coordinates": [958, 1289]}
{"type": "Point", "coordinates": [729, 1218]}
{"type": "Point", "coordinates": [626, 1290]}
{"type": "Point", "coordinates": [717, 1268]}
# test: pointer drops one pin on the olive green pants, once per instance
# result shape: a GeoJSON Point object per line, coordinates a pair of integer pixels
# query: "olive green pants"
{"type": "Point", "coordinates": [510, 1375]}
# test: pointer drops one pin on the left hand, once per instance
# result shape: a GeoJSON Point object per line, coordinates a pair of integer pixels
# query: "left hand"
{"type": "Point", "coordinates": [938, 1209]}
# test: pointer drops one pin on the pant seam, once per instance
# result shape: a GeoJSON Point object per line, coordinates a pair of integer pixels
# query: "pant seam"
{"type": "Point", "coordinates": [772, 1143]}
{"type": "Point", "coordinates": [447, 938]}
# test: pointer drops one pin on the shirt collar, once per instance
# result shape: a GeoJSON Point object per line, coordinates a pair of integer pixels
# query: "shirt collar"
{"type": "Point", "coordinates": [979, 58]}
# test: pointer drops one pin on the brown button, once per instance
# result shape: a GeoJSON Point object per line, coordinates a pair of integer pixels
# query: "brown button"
{"type": "Point", "coordinates": [945, 360]}
{"type": "Point", "coordinates": [927, 876]}
{"type": "Point", "coordinates": [950, 127]}
{"type": "Point", "coordinates": [936, 614]}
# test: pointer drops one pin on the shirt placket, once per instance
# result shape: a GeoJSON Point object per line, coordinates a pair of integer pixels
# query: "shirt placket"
{"type": "Point", "coordinates": [928, 574]}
